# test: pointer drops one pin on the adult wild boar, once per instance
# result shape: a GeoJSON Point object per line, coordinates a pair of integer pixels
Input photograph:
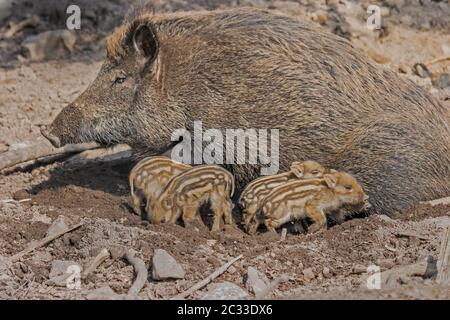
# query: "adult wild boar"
{"type": "Point", "coordinates": [246, 68]}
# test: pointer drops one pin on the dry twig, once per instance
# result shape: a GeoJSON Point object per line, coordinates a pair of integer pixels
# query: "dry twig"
{"type": "Point", "coordinates": [43, 242]}
{"type": "Point", "coordinates": [39, 150]}
{"type": "Point", "coordinates": [98, 260]}
{"type": "Point", "coordinates": [140, 270]}
{"type": "Point", "coordinates": [207, 280]}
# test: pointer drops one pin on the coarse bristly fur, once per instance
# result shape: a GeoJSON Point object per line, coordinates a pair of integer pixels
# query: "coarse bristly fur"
{"type": "Point", "coordinates": [248, 68]}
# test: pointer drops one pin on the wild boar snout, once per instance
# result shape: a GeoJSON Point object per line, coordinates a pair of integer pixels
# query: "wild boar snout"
{"type": "Point", "coordinates": [65, 128]}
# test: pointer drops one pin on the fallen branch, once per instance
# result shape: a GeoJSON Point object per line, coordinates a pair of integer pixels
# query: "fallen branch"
{"type": "Point", "coordinates": [411, 234]}
{"type": "Point", "coordinates": [422, 269]}
{"type": "Point", "coordinates": [16, 27]}
{"type": "Point", "coordinates": [140, 270]}
{"type": "Point", "coordinates": [436, 202]}
{"type": "Point", "coordinates": [43, 242]}
{"type": "Point", "coordinates": [437, 60]}
{"type": "Point", "coordinates": [15, 201]}
{"type": "Point", "coordinates": [272, 286]}
{"type": "Point", "coordinates": [207, 280]}
{"type": "Point", "coordinates": [39, 150]}
{"type": "Point", "coordinates": [98, 260]}
{"type": "Point", "coordinates": [115, 153]}
{"type": "Point", "coordinates": [443, 275]}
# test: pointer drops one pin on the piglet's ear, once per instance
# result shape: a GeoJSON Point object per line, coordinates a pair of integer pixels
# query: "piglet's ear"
{"type": "Point", "coordinates": [145, 42]}
{"type": "Point", "coordinates": [330, 180]}
{"type": "Point", "coordinates": [297, 169]}
{"type": "Point", "coordinates": [333, 171]}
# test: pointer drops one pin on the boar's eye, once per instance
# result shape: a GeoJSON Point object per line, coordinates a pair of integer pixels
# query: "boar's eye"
{"type": "Point", "coordinates": [315, 172]}
{"type": "Point", "coordinates": [120, 79]}
{"type": "Point", "coordinates": [348, 187]}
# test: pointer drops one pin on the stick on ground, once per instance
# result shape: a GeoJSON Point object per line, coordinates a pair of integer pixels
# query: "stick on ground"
{"type": "Point", "coordinates": [436, 202]}
{"type": "Point", "coordinates": [43, 242]}
{"type": "Point", "coordinates": [272, 286]}
{"type": "Point", "coordinates": [207, 280]}
{"type": "Point", "coordinates": [40, 149]}
{"type": "Point", "coordinates": [140, 270]}
{"type": "Point", "coordinates": [443, 275]}
{"type": "Point", "coordinates": [440, 59]}
{"type": "Point", "coordinates": [98, 260]}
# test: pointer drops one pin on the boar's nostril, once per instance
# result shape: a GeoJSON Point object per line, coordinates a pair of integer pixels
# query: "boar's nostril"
{"type": "Point", "coordinates": [52, 138]}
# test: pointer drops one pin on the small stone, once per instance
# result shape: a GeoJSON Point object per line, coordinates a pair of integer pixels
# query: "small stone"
{"type": "Point", "coordinates": [442, 81]}
{"type": "Point", "coordinates": [116, 252]}
{"type": "Point", "coordinates": [308, 274]}
{"type": "Point", "coordinates": [386, 263]}
{"type": "Point", "coordinates": [231, 270]}
{"type": "Point", "coordinates": [225, 291]}
{"type": "Point", "coordinates": [59, 225]}
{"type": "Point", "coordinates": [326, 272]}
{"type": "Point", "coordinates": [60, 267]}
{"type": "Point", "coordinates": [61, 270]}
{"type": "Point", "coordinates": [41, 257]}
{"type": "Point", "coordinates": [103, 293]}
{"type": "Point", "coordinates": [421, 70]}
{"type": "Point", "coordinates": [255, 281]}
{"type": "Point", "coordinates": [37, 217]}
{"type": "Point", "coordinates": [164, 266]}
{"type": "Point", "coordinates": [21, 194]}
{"type": "Point", "coordinates": [359, 269]}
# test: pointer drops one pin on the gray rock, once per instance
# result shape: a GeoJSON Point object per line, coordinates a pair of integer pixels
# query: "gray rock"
{"type": "Point", "coordinates": [103, 293]}
{"type": "Point", "coordinates": [255, 281]}
{"type": "Point", "coordinates": [59, 267]}
{"type": "Point", "coordinates": [308, 274]}
{"type": "Point", "coordinates": [41, 257]}
{"type": "Point", "coordinates": [326, 272]}
{"type": "Point", "coordinates": [60, 272]}
{"type": "Point", "coordinates": [164, 266]}
{"type": "Point", "coordinates": [442, 81]}
{"type": "Point", "coordinates": [53, 44]}
{"type": "Point", "coordinates": [57, 226]}
{"type": "Point", "coordinates": [225, 291]}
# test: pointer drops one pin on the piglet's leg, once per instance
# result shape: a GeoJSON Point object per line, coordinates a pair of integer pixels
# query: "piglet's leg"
{"type": "Point", "coordinates": [252, 226]}
{"type": "Point", "coordinates": [318, 217]}
{"type": "Point", "coordinates": [228, 211]}
{"type": "Point", "coordinates": [272, 225]}
{"type": "Point", "coordinates": [218, 207]}
{"type": "Point", "coordinates": [190, 214]}
{"type": "Point", "coordinates": [174, 216]}
{"type": "Point", "coordinates": [136, 203]}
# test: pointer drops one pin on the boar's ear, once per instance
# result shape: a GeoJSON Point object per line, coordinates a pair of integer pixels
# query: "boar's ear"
{"type": "Point", "coordinates": [145, 42]}
{"type": "Point", "coordinates": [330, 180]}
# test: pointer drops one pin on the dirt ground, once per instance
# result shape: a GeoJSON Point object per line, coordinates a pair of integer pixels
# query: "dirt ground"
{"type": "Point", "coordinates": [325, 265]}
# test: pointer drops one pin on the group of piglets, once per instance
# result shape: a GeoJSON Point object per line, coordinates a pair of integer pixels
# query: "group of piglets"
{"type": "Point", "coordinates": [163, 190]}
